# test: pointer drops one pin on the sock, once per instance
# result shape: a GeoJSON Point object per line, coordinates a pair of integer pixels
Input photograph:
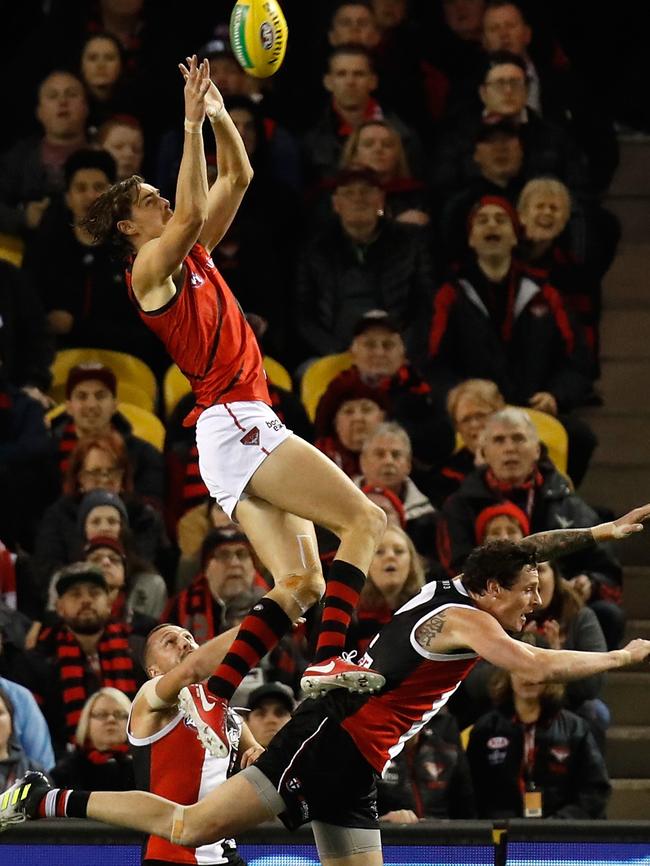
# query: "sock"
{"type": "Point", "coordinates": [344, 584]}
{"type": "Point", "coordinates": [258, 634]}
{"type": "Point", "coordinates": [63, 803]}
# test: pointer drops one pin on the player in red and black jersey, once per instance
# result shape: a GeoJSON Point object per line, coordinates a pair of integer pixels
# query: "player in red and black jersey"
{"type": "Point", "coordinates": [322, 765]}
{"type": "Point", "coordinates": [274, 483]}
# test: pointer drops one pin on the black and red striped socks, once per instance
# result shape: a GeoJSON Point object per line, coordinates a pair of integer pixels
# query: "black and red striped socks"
{"type": "Point", "coordinates": [63, 803]}
{"type": "Point", "coordinates": [258, 634]}
{"type": "Point", "coordinates": [344, 585]}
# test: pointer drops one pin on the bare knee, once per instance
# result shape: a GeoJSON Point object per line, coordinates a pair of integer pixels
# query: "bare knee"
{"type": "Point", "coordinates": [368, 522]}
{"type": "Point", "coordinates": [306, 586]}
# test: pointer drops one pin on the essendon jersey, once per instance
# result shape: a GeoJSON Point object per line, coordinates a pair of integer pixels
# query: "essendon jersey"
{"type": "Point", "coordinates": [173, 764]}
{"type": "Point", "coordinates": [207, 335]}
{"type": "Point", "coordinates": [418, 683]}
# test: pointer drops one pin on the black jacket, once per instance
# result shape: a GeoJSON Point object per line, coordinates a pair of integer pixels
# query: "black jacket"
{"type": "Point", "coordinates": [567, 766]}
{"type": "Point", "coordinates": [94, 772]}
{"type": "Point", "coordinates": [555, 506]}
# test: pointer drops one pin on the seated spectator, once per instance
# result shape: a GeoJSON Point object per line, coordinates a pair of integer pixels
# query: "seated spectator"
{"type": "Point", "coordinates": [91, 410]}
{"type": "Point", "coordinates": [505, 520]}
{"type": "Point", "coordinates": [346, 415]}
{"type": "Point", "coordinates": [31, 172]}
{"type": "Point", "coordinates": [270, 706]}
{"type": "Point", "coordinates": [350, 80]}
{"type": "Point", "coordinates": [122, 136]}
{"type": "Point", "coordinates": [14, 763]}
{"type": "Point", "coordinates": [81, 654]}
{"type": "Point", "coordinates": [528, 744]}
{"type": "Point", "coordinates": [97, 463]}
{"type": "Point", "coordinates": [102, 70]}
{"type": "Point", "coordinates": [361, 262]}
{"type": "Point", "coordinates": [389, 502]}
{"type": "Point", "coordinates": [385, 461]}
{"type": "Point", "coordinates": [137, 596]}
{"type": "Point", "coordinates": [394, 577]}
{"type": "Point", "coordinates": [496, 320]}
{"type": "Point", "coordinates": [430, 777]}
{"type": "Point", "coordinates": [101, 760]}
{"type": "Point", "coordinates": [548, 148]}
{"type": "Point", "coordinates": [376, 145]}
{"type": "Point", "coordinates": [514, 472]}
{"type": "Point", "coordinates": [29, 727]}
{"type": "Point", "coordinates": [469, 405]}
{"type": "Point", "coordinates": [192, 529]}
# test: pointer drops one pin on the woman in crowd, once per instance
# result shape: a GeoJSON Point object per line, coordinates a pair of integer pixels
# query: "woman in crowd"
{"type": "Point", "coordinates": [101, 68]}
{"type": "Point", "coordinates": [122, 136]}
{"type": "Point", "coordinates": [101, 759]}
{"type": "Point", "coordinates": [14, 763]}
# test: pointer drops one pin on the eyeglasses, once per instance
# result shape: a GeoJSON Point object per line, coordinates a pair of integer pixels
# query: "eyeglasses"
{"type": "Point", "coordinates": [504, 83]}
{"type": "Point", "coordinates": [104, 715]}
{"type": "Point", "coordinates": [101, 474]}
{"type": "Point", "coordinates": [223, 554]}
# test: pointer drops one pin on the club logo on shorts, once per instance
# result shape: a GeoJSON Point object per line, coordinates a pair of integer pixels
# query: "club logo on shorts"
{"type": "Point", "coordinates": [251, 438]}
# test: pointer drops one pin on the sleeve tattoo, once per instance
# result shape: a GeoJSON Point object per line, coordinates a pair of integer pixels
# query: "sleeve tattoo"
{"type": "Point", "coordinates": [429, 630]}
{"type": "Point", "coordinates": [558, 542]}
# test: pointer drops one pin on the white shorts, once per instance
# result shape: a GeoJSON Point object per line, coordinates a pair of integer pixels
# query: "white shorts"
{"type": "Point", "coordinates": [233, 440]}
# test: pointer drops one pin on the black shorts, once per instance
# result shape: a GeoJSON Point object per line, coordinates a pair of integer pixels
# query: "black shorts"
{"type": "Point", "coordinates": [319, 772]}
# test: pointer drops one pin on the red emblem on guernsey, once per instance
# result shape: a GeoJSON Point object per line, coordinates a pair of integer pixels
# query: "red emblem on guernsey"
{"type": "Point", "coordinates": [251, 438]}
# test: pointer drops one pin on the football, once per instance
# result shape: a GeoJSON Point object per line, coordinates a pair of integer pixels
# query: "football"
{"type": "Point", "coordinates": [258, 36]}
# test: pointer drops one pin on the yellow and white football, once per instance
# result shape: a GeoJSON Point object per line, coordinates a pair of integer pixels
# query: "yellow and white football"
{"type": "Point", "coordinates": [258, 36]}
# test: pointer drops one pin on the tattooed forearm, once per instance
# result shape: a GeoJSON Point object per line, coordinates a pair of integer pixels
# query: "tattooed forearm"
{"type": "Point", "coordinates": [429, 630]}
{"type": "Point", "coordinates": [558, 542]}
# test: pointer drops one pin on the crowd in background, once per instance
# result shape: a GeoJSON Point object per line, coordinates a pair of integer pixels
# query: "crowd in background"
{"type": "Point", "coordinates": [428, 198]}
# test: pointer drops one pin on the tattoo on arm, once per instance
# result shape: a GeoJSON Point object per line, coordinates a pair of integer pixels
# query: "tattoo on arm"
{"type": "Point", "coordinates": [429, 631]}
{"type": "Point", "coordinates": [558, 542]}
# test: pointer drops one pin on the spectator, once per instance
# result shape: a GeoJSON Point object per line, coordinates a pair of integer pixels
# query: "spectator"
{"type": "Point", "coordinates": [31, 172]}
{"type": "Point", "coordinates": [505, 520]}
{"type": "Point", "coordinates": [527, 744]}
{"type": "Point", "coordinates": [81, 654]}
{"type": "Point", "coordinates": [92, 410]}
{"type": "Point", "coordinates": [430, 778]}
{"type": "Point", "coordinates": [101, 759]}
{"type": "Point", "coordinates": [376, 145]}
{"type": "Point", "coordinates": [14, 763]}
{"type": "Point", "coordinates": [386, 461]}
{"type": "Point", "coordinates": [361, 262]}
{"type": "Point", "coordinates": [347, 413]}
{"type": "Point", "coordinates": [514, 472]}
{"type": "Point", "coordinates": [389, 502]}
{"type": "Point", "coordinates": [496, 320]}
{"type": "Point", "coordinates": [395, 576]}
{"type": "Point", "coordinates": [123, 137]}
{"type": "Point", "coordinates": [270, 707]}
{"type": "Point", "coordinates": [97, 463]}
{"type": "Point", "coordinates": [469, 405]}
{"type": "Point", "coordinates": [350, 80]}
{"type": "Point", "coordinates": [353, 22]}
{"type": "Point", "coordinates": [101, 68]}
{"type": "Point", "coordinates": [137, 595]}
{"type": "Point", "coordinates": [29, 727]}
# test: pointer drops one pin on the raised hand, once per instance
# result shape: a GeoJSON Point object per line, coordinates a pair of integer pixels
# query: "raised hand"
{"type": "Point", "coordinates": [639, 650]}
{"type": "Point", "coordinates": [213, 99]}
{"type": "Point", "coordinates": [631, 522]}
{"type": "Point", "coordinates": [197, 82]}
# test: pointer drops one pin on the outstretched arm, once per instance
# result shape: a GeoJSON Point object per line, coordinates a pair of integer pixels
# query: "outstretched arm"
{"type": "Point", "coordinates": [559, 542]}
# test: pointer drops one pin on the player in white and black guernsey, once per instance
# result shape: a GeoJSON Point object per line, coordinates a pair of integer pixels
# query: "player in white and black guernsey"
{"type": "Point", "coordinates": [323, 764]}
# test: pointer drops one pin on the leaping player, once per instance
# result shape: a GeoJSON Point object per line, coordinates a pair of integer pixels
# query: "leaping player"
{"type": "Point", "coordinates": [275, 484]}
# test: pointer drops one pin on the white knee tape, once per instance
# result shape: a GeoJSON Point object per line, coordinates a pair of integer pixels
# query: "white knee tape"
{"type": "Point", "coordinates": [178, 820]}
{"type": "Point", "coordinates": [308, 556]}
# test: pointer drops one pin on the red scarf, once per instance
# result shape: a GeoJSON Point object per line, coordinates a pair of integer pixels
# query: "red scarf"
{"type": "Point", "coordinates": [522, 494]}
{"type": "Point", "coordinates": [116, 753]}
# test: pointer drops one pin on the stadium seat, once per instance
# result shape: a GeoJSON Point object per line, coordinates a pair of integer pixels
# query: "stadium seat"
{"type": "Point", "coordinates": [277, 373]}
{"type": "Point", "coordinates": [144, 424]}
{"type": "Point", "coordinates": [11, 249]}
{"type": "Point", "coordinates": [128, 369]}
{"type": "Point", "coordinates": [550, 431]}
{"type": "Point", "coordinates": [318, 376]}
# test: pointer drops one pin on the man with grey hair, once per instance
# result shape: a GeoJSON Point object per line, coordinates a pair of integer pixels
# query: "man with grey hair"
{"type": "Point", "coordinates": [513, 471]}
{"type": "Point", "coordinates": [386, 461]}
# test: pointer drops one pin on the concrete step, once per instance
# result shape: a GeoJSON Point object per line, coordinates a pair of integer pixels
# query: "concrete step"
{"type": "Point", "coordinates": [630, 800]}
{"type": "Point", "coordinates": [636, 591]}
{"type": "Point", "coordinates": [633, 214]}
{"type": "Point", "coordinates": [626, 695]}
{"type": "Point", "coordinates": [636, 628]}
{"type": "Point", "coordinates": [626, 282]}
{"type": "Point", "coordinates": [622, 436]}
{"type": "Point", "coordinates": [625, 334]}
{"type": "Point", "coordinates": [632, 177]}
{"type": "Point", "coordinates": [628, 752]}
{"type": "Point", "coordinates": [620, 488]}
{"type": "Point", "coordinates": [624, 384]}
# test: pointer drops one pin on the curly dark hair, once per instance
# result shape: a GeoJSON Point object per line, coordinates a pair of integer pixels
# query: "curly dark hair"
{"type": "Point", "coordinates": [112, 206]}
{"type": "Point", "coordinates": [500, 560]}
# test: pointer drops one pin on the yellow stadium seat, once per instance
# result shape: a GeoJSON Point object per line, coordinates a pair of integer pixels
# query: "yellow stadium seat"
{"type": "Point", "coordinates": [11, 249]}
{"type": "Point", "coordinates": [318, 376]}
{"type": "Point", "coordinates": [551, 432]}
{"type": "Point", "coordinates": [127, 368]}
{"type": "Point", "coordinates": [144, 424]}
{"type": "Point", "coordinates": [277, 374]}
{"type": "Point", "coordinates": [175, 386]}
